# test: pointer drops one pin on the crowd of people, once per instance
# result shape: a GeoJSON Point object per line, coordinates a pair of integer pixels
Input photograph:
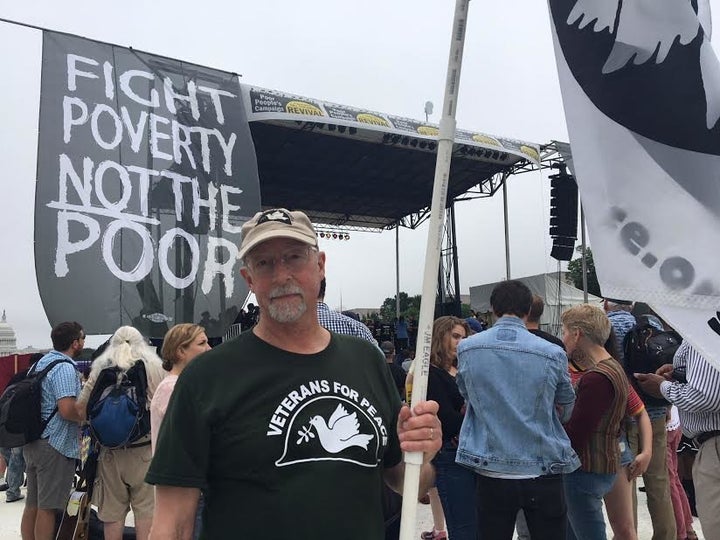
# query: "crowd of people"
{"type": "Point", "coordinates": [296, 427]}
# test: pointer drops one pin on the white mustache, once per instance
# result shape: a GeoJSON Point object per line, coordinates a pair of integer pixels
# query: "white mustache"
{"type": "Point", "coordinates": [285, 290]}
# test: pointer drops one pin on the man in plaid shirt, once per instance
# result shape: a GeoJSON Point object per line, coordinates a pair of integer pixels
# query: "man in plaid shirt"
{"type": "Point", "coordinates": [339, 323]}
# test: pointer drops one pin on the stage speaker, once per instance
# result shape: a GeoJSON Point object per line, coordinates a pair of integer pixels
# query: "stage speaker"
{"type": "Point", "coordinates": [563, 214]}
{"type": "Point", "coordinates": [563, 248]}
{"type": "Point", "coordinates": [451, 307]}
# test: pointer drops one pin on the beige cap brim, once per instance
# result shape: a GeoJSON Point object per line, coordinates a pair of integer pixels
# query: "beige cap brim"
{"type": "Point", "coordinates": [284, 232]}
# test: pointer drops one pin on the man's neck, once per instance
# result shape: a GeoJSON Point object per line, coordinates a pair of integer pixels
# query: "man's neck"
{"type": "Point", "coordinates": [532, 325]}
{"type": "Point", "coordinates": [69, 352]}
{"type": "Point", "coordinates": [521, 319]}
{"type": "Point", "coordinates": [305, 336]}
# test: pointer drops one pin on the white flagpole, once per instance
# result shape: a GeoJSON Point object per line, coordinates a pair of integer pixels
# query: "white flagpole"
{"type": "Point", "coordinates": [413, 460]}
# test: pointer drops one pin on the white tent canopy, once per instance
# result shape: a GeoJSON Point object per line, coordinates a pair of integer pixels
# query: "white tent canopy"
{"type": "Point", "coordinates": [557, 293]}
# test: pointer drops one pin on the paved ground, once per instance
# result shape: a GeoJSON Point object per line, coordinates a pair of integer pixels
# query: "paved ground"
{"type": "Point", "coordinates": [10, 520]}
{"type": "Point", "coordinates": [644, 523]}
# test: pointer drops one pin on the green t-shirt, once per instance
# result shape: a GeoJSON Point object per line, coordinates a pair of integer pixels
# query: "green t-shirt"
{"type": "Point", "coordinates": [284, 445]}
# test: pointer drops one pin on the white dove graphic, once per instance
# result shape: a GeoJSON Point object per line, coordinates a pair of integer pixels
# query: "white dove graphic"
{"type": "Point", "coordinates": [644, 27]}
{"type": "Point", "coordinates": [277, 215]}
{"type": "Point", "coordinates": [340, 432]}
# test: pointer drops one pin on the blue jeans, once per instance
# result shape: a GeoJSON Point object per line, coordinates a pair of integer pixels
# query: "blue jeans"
{"type": "Point", "coordinates": [15, 470]}
{"type": "Point", "coordinates": [584, 492]}
{"type": "Point", "coordinates": [456, 486]}
{"type": "Point", "coordinates": [626, 453]}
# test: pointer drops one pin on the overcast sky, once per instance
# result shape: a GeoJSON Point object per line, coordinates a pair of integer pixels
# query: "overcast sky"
{"type": "Point", "coordinates": [389, 56]}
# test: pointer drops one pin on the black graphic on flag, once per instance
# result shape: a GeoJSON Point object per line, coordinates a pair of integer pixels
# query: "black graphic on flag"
{"type": "Point", "coordinates": [649, 66]}
{"type": "Point", "coordinates": [146, 172]}
{"type": "Point", "coordinates": [714, 323]}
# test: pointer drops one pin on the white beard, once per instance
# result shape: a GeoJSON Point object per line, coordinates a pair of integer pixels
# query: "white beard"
{"type": "Point", "coordinates": [286, 311]}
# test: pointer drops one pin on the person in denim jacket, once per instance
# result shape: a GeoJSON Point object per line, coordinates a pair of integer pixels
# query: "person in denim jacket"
{"type": "Point", "coordinates": [518, 393]}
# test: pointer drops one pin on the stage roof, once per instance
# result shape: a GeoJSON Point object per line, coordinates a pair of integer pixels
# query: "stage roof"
{"type": "Point", "coordinates": [350, 167]}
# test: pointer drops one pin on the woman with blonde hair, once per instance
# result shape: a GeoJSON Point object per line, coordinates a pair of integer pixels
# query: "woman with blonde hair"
{"type": "Point", "coordinates": [181, 344]}
{"type": "Point", "coordinates": [619, 500]}
{"type": "Point", "coordinates": [455, 483]}
{"type": "Point", "coordinates": [593, 428]}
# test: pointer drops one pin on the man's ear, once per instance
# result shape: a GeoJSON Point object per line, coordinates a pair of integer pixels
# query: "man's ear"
{"type": "Point", "coordinates": [321, 263]}
{"type": "Point", "coordinates": [247, 277]}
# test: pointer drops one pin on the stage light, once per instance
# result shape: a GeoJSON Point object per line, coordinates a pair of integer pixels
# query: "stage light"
{"type": "Point", "coordinates": [386, 138]}
{"type": "Point", "coordinates": [332, 127]}
{"type": "Point", "coordinates": [423, 145]}
{"type": "Point", "coordinates": [352, 131]}
{"type": "Point", "coordinates": [413, 143]}
{"type": "Point", "coordinates": [496, 154]}
{"type": "Point", "coordinates": [405, 141]}
{"type": "Point", "coordinates": [432, 146]}
{"type": "Point", "coordinates": [395, 139]}
{"type": "Point", "coordinates": [347, 236]}
{"type": "Point", "coordinates": [341, 129]}
{"type": "Point", "coordinates": [463, 150]}
{"type": "Point", "coordinates": [504, 156]}
{"type": "Point", "coordinates": [334, 236]}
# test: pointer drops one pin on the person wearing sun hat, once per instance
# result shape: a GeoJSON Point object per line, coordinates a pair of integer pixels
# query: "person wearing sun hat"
{"type": "Point", "coordinates": [285, 405]}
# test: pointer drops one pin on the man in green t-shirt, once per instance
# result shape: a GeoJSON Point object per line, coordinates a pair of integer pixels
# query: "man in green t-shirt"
{"type": "Point", "coordinates": [289, 429]}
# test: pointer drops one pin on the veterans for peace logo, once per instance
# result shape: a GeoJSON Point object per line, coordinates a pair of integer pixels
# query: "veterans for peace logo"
{"type": "Point", "coordinates": [275, 215]}
{"type": "Point", "coordinates": [646, 64]}
{"type": "Point", "coordinates": [328, 421]}
{"type": "Point", "coordinates": [339, 432]}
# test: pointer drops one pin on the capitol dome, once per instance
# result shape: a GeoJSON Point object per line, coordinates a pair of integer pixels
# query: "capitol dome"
{"type": "Point", "coordinates": [8, 343]}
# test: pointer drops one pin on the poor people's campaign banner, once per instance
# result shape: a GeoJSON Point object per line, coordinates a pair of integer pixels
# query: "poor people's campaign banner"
{"type": "Point", "coordinates": [146, 172]}
{"type": "Point", "coordinates": [641, 90]}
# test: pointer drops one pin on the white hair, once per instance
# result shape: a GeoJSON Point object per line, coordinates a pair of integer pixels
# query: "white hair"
{"type": "Point", "coordinates": [127, 346]}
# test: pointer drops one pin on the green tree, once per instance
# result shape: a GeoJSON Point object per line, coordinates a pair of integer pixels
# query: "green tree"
{"type": "Point", "coordinates": [575, 273]}
{"type": "Point", "coordinates": [409, 307]}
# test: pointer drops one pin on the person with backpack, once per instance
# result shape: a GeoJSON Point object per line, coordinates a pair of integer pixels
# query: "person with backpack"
{"type": "Point", "coordinates": [655, 478]}
{"type": "Point", "coordinates": [116, 399]}
{"type": "Point", "coordinates": [12, 456]}
{"type": "Point", "coordinates": [50, 459]}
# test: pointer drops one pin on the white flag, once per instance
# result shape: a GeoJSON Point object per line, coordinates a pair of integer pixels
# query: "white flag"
{"type": "Point", "coordinates": [641, 90]}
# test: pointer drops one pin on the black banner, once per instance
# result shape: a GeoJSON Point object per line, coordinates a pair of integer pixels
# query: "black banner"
{"type": "Point", "coordinates": [146, 172]}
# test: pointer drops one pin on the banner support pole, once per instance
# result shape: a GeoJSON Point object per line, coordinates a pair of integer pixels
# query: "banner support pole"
{"type": "Point", "coordinates": [421, 366]}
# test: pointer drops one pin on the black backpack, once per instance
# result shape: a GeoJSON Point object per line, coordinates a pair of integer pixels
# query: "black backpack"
{"type": "Point", "coordinates": [20, 419]}
{"type": "Point", "coordinates": [117, 409]}
{"type": "Point", "coordinates": [645, 349]}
